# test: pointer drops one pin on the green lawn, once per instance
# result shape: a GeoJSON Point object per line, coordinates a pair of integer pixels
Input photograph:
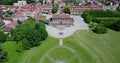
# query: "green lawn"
{"type": "Point", "coordinates": [88, 48]}
{"type": "Point", "coordinates": [10, 48]}
{"type": "Point", "coordinates": [102, 48]}
{"type": "Point", "coordinates": [61, 54]}
{"type": "Point", "coordinates": [42, 16]}
{"type": "Point", "coordinates": [71, 4]}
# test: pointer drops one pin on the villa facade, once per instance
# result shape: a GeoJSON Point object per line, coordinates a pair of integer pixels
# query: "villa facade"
{"type": "Point", "coordinates": [61, 19]}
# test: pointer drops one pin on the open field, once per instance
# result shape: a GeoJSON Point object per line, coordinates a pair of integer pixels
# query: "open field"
{"type": "Point", "coordinates": [82, 47]}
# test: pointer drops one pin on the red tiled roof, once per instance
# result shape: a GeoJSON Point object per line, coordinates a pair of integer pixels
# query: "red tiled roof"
{"type": "Point", "coordinates": [8, 18]}
{"type": "Point", "coordinates": [63, 16]}
{"type": "Point", "coordinates": [38, 19]}
{"type": "Point", "coordinates": [14, 24]}
{"type": "Point", "coordinates": [47, 5]}
{"type": "Point", "coordinates": [8, 29]}
{"type": "Point", "coordinates": [86, 7]}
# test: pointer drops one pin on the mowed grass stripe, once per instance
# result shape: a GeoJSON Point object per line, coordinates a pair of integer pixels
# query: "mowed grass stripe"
{"type": "Point", "coordinates": [38, 52]}
{"type": "Point", "coordinates": [92, 47]}
{"type": "Point", "coordinates": [88, 46]}
{"type": "Point", "coordinates": [93, 40]}
{"type": "Point", "coordinates": [81, 51]}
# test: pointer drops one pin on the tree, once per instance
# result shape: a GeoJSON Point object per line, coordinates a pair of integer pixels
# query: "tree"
{"type": "Point", "coordinates": [41, 1]}
{"type": "Point", "coordinates": [118, 8]}
{"type": "Point", "coordinates": [8, 2]}
{"type": "Point", "coordinates": [54, 9]}
{"type": "Point", "coordinates": [19, 32]}
{"type": "Point", "coordinates": [2, 37]}
{"type": "Point", "coordinates": [19, 47]}
{"type": "Point", "coordinates": [25, 44]}
{"type": "Point", "coordinates": [66, 10]}
{"type": "Point", "coordinates": [88, 18]}
{"type": "Point", "coordinates": [3, 55]}
{"type": "Point", "coordinates": [19, 22]}
{"type": "Point", "coordinates": [99, 29]}
{"type": "Point", "coordinates": [31, 33]}
{"type": "Point", "coordinates": [30, 1]}
{"type": "Point", "coordinates": [115, 26]}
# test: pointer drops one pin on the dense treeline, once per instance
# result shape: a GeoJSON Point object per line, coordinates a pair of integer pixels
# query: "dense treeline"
{"type": "Point", "coordinates": [102, 13]}
{"type": "Point", "coordinates": [105, 18]}
{"type": "Point", "coordinates": [30, 34]}
{"type": "Point", "coordinates": [7, 2]}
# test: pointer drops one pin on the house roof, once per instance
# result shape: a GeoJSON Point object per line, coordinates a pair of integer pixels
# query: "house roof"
{"type": "Point", "coordinates": [11, 26]}
{"type": "Point", "coordinates": [87, 7]}
{"type": "Point", "coordinates": [61, 16]}
{"type": "Point", "coordinates": [38, 18]}
{"type": "Point", "coordinates": [14, 24]}
{"type": "Point", "coordinates": [8, 29]}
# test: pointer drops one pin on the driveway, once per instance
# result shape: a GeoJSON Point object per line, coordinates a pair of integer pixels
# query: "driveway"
{"type": "Point", "coordinates": [79, 24]}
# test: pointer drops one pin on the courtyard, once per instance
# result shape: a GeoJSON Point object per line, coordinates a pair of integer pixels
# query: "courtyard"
{"type": "Point", "coordinates": [63, 31]}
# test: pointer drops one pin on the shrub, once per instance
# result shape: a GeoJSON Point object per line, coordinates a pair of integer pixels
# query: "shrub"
{"type": "Point", "coordinates": [25, 44]}
{"type": "Point", "coordinates": [99, 29]}
{"type": "Point", "coordinates": [19, 47]}
{"type": "Point", "coordinates": [3, 55]}
{"type": "Point", "coordinates": [66, 10]}
{"type": "Point", "coordinates": [115, 26]}
{"type": "Point", "coordinates": [2, 37]}
{"type": "Point", "coordinates": [88, 18]}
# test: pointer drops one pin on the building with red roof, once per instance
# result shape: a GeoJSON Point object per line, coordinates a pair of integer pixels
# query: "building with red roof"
{"type": "Point", "coordinates": [46, 8]}
{"type": "Point", "coordinates": [11, 26]}
{"type": "Point", "coordinates": [61, 19]}
{"type": "Point", "coordinates": [81, 9]}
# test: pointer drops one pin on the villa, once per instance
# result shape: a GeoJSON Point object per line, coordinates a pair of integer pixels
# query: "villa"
{"type": "Point", "coordinates": [61, 19]}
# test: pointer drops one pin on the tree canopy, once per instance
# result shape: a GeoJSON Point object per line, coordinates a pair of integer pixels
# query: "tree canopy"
{"type": "Point", "coordinates": [54, 9]}
{"type": "Point", "coordinates": [107, 18]}
{"type": "Point", "coordinates": [31, 33]}
{"type": "Point", "coordinates": [118, 8]}
{"type": "Point", "coordinates": [66, 10]}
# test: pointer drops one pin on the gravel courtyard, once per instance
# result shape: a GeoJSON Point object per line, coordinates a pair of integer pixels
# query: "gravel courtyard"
{"type": "Point", "coordinates": [79, 24]}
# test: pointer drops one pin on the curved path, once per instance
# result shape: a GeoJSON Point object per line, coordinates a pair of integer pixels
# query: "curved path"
{"type": "Point", "coordinates": [46, 54]}
{"type": "Point", "coordinates": [79, 24]}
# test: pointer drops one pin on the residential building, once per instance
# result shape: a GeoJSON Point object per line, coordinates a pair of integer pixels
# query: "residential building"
{"type": "Point", "coordinates": [81, 9]}
{"type": "Point", "coordinates": [20, 3]}
{"type": "Point", "coordinates": [1, 22]}
{"type": "Point", "coordinates": [46, 8]}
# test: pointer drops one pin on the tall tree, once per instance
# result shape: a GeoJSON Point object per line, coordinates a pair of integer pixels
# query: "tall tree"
{"type": "Point", "coordinates": [66, 10]}
{"type": "Point", "coordinates": [54, 9]}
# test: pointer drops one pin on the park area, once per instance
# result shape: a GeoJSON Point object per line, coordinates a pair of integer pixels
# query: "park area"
{"type": "Point", "coordinates": [81, 47]}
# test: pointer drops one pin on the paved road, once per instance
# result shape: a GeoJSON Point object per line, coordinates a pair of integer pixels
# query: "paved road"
{"type": "Point", "coordinates": [79, 24]}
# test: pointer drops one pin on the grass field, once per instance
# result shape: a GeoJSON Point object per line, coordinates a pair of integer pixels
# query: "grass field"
{"type": "Point", "coordinates": [82, 47]}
